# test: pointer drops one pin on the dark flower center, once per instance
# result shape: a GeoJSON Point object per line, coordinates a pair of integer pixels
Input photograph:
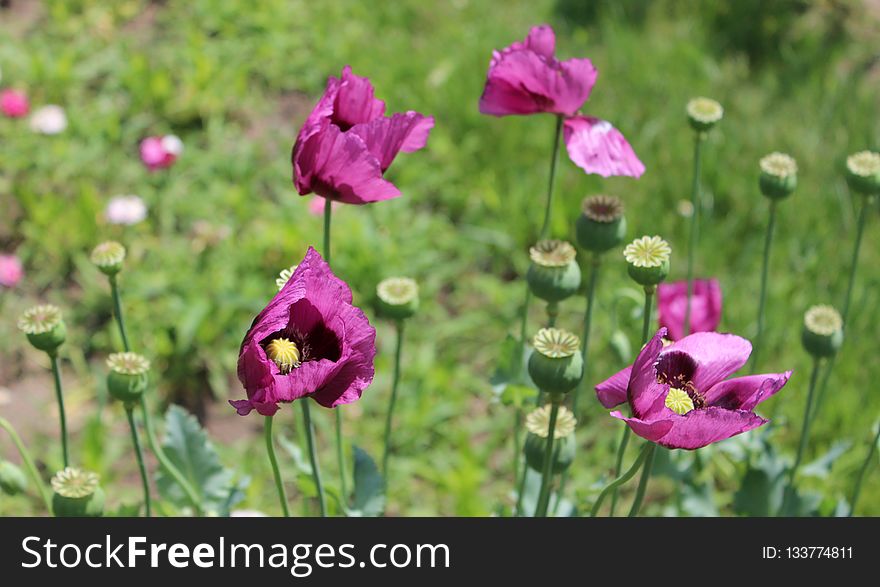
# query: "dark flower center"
{"type": "Point", "coordinates": [677, 369]}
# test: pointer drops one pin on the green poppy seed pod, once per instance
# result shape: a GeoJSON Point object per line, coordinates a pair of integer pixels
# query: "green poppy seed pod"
{"type": "Point", "coordinates": [108, 257]}
{"type": "Point", "coordinates": [822, 335]}
{"type": "Point", "coordinates": [44, 327]}
{"type": "Point", "coordinates": [863, 172]}
{"type": "Point", "coordinates": [127, 378]}
{"type": "Point", "coordinates": [12, 479]}
{"type": "Point", "coordinates": [77, 494]}
{"type": "Point", "coordinates": [538, 424]}
{"type": "Point", "coordinates": [397, 298]}
{"type": "Point", "coordinates": [704, 113]}
{"type": "Point", "coordinates": [553, 275]}
{"type": "Point", "coordinates": [556, 365]}
{"type": "Point", "coordinates": [778, 175]}
{"type": "Point", "coordinates": [601, 225]}
{"type": "Point", "coordinates": [648, 260]}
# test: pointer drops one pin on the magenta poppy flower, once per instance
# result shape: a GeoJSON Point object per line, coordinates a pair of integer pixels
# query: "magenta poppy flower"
{"type": "Point", "coordinates": [680, 394]}
{"type": "Point", "coordinates": [526, 78]}
{"type": "Point", "coordinates": [11, 271]}
{"type": "Point", "coordinates": [14, 104]}
{"type": "Point", "coordinates": [347, 143]}
{"type": "Point", "coordinates": [310, 341]}
{"type": "Point", "coordinates": [705, 306]}
{"type": "Point", "coordinates": [160, 152]}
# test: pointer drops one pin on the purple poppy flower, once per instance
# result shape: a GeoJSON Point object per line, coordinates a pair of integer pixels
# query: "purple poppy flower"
{"type": "Point", "coordinates": [705, 306]}
{"type": "Point", "coordinates": [347, 143]}
{"type": "Point", "coordinates": [310, 341]}
{"type": "Point", "coordinates": [526, 78]}
{"type": "Point", "coordinates": [680, 395]}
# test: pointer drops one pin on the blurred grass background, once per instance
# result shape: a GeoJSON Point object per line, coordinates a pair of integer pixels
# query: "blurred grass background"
{"type": "Point", "coordinates": [235, 79]}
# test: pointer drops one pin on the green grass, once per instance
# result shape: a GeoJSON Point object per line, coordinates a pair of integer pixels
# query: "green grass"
{"type": "Point", "coordinates": [235, 79]}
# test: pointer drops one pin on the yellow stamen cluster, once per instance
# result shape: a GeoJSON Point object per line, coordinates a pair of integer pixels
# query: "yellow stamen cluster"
{"type": "Point", "coordinates": [284, 353]}
{"type": "Point", "coordinates": [679, 401]}
{"type": "Point", "coordinates": [538, 422]}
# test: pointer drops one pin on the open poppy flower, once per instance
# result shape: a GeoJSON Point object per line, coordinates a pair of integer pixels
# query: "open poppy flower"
{"type": "Point", "coordinates": [705, 306]}
{"type": "Point", "coordinates": [310, 341]}
{"type": "Point", "coordinates": [680, 394]}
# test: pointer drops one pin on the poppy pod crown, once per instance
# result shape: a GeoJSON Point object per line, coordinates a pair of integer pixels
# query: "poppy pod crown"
{"type": "Point", "coordinates": [553, 274]}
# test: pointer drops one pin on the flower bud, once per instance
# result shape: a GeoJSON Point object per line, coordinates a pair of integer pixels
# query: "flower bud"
{"type": "Point", "coordinates": [127, 379]}
{"type": "Point", "coordinates": [12, 479]}
{"type": "Point", "coordinates": [397, 298]}
{"type": "Point", "coordinates": [778, 175]}
{"type": "Point", "coordinates": [556, 366]}
{"type": "Point", "coordinates": [77, 494]}
{"type": "Point", "coordinates": [553, 275]}
{"type": "Point", "coordinates": [704, 113]}
{"type": "Point", "coordinates": [108, 257]}
{"type": "Point", "coordinates": [601, 225]}
{"type": "Point", "coordinates": [648, 259]}
{"type": "Point", "coordinates": [822, 335]}
{"type": "Point", "coordinates": [538, 424]}
{"type": "Point", "coordinates": [863, 172]}
{"type": "Point", "coordinates": [44, 327]}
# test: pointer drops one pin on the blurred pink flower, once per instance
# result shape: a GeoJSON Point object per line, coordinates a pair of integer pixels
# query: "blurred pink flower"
{"type": "Point", "coordinates": [316, 206]}
{"type": "Point", "coordinates": [347, 143]}
{"type": "Point", "coordinates": [126, 210]}
{"type": "Point", "coordinates": [14, 104]}
{"type": "Point", "coordinates": [705, 306]}
{"type": "Point", "coordinates": [160, 152]}
{"type": "Point", "coordinates": [526, 78]}
{"type": "Point", "coordinates": [11, 271]}
{"type": "Point", "coordinates": [49, 120]}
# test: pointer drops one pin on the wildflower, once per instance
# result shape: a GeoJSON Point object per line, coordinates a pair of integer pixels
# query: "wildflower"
{"type": "Point", "coordinates": [535, 447]}
{"type": "Point", "coordinates": [704, 113]}
{"type": "Point", "coordinates": [672, 299]}
{"type": "Point", "coordinates": [44, 327]}
{"type": "Point", "coordinates": [863, 172]}
{"type": "Point", "coordinates": [14, 104]}
{"type": "Point", "coordinates": [127, 378]}
{"type": "Point", "coordinates": [160, 152]}
{"type": "Point", "coordinates": [126, 210]}
{"type": "Point", "coordinates": [556, 365]}
{"type": "Point", "coordinates": [778, 175]}
{"type": "Point", "coordinates": [347, 143]}
{"type": "Point", "coordinates": [680, 395]}
{"type": "Point", "coordinates": [49, 120]}
{"type": "Point", "coordinates": [526, 78]}
{"type": "Point", "coordinates": [310, 341]}
{"type": "Point", "coordinates": [553, 275]}
{"type": "Point", "coordinates": [648, 260]}
{"type": "Point", "coordinates": [108, 257]}
{"type": "Point", "coordinates": [11, 270]}
{"type": "Point", "coordinates": [77, 494]}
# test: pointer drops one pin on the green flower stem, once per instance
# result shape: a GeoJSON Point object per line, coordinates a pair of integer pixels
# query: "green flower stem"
{"type": "Point", "coordinates": [517, 458]}
{"type": "Point", "coordinates": [152, 441]}
{"type": "Point", "coordinates": [521, 486]}
{"type": "Point", "coordinates": [552, 313]}
{"type": "Point", "coordinates": [28, 462]}
{"type": "Point", "coordinates": [869, 460]}
{"type": "Point", "coordinates": [139, 454]}
{"type": "Point", "coordinates": [548, 209]}
{"type": "Point", "coordinates": [547, 474]}
{"type": "Point", "coordinates": [805, 435]}
{"type": "Point", "coordinates": [867, 204]}
{"type": "Point", "coordinates": [62, 416]}
{"type": "Point", "coordinates": [612, 487]}
{"type": "Point", "coordinates": [117, 312]}
{"type": "Point", "coordinates": [313, 455]}
{"type": "Point", "coordinates": [765, 270]}
{"type": "Point", "coordinates": [388, 417]}
{"type": "Point", "coordinates": [643, 480]}
{"type": "Point", "coordinates": [624, 439]}
{"type": "Point", "coordinates": [585, 344]}
{"type": "Point", "coordinates": [340, 448]}
{"type": "Point", "coordinates": [270, 450]}
{"type": "Point", "coordinates": [695, 227]}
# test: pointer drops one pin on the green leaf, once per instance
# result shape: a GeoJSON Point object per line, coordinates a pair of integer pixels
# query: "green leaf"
{"type": "Point", "coordinates": [509, 367]}
{"type": "Point", "coordinates": [518, 395]}
{"type": "Point", "coordinates": [369, 488]}
{"type": "Point", "coordinates": [188, 448]}
{"type": "Point", "coordinates": [821, 467]}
